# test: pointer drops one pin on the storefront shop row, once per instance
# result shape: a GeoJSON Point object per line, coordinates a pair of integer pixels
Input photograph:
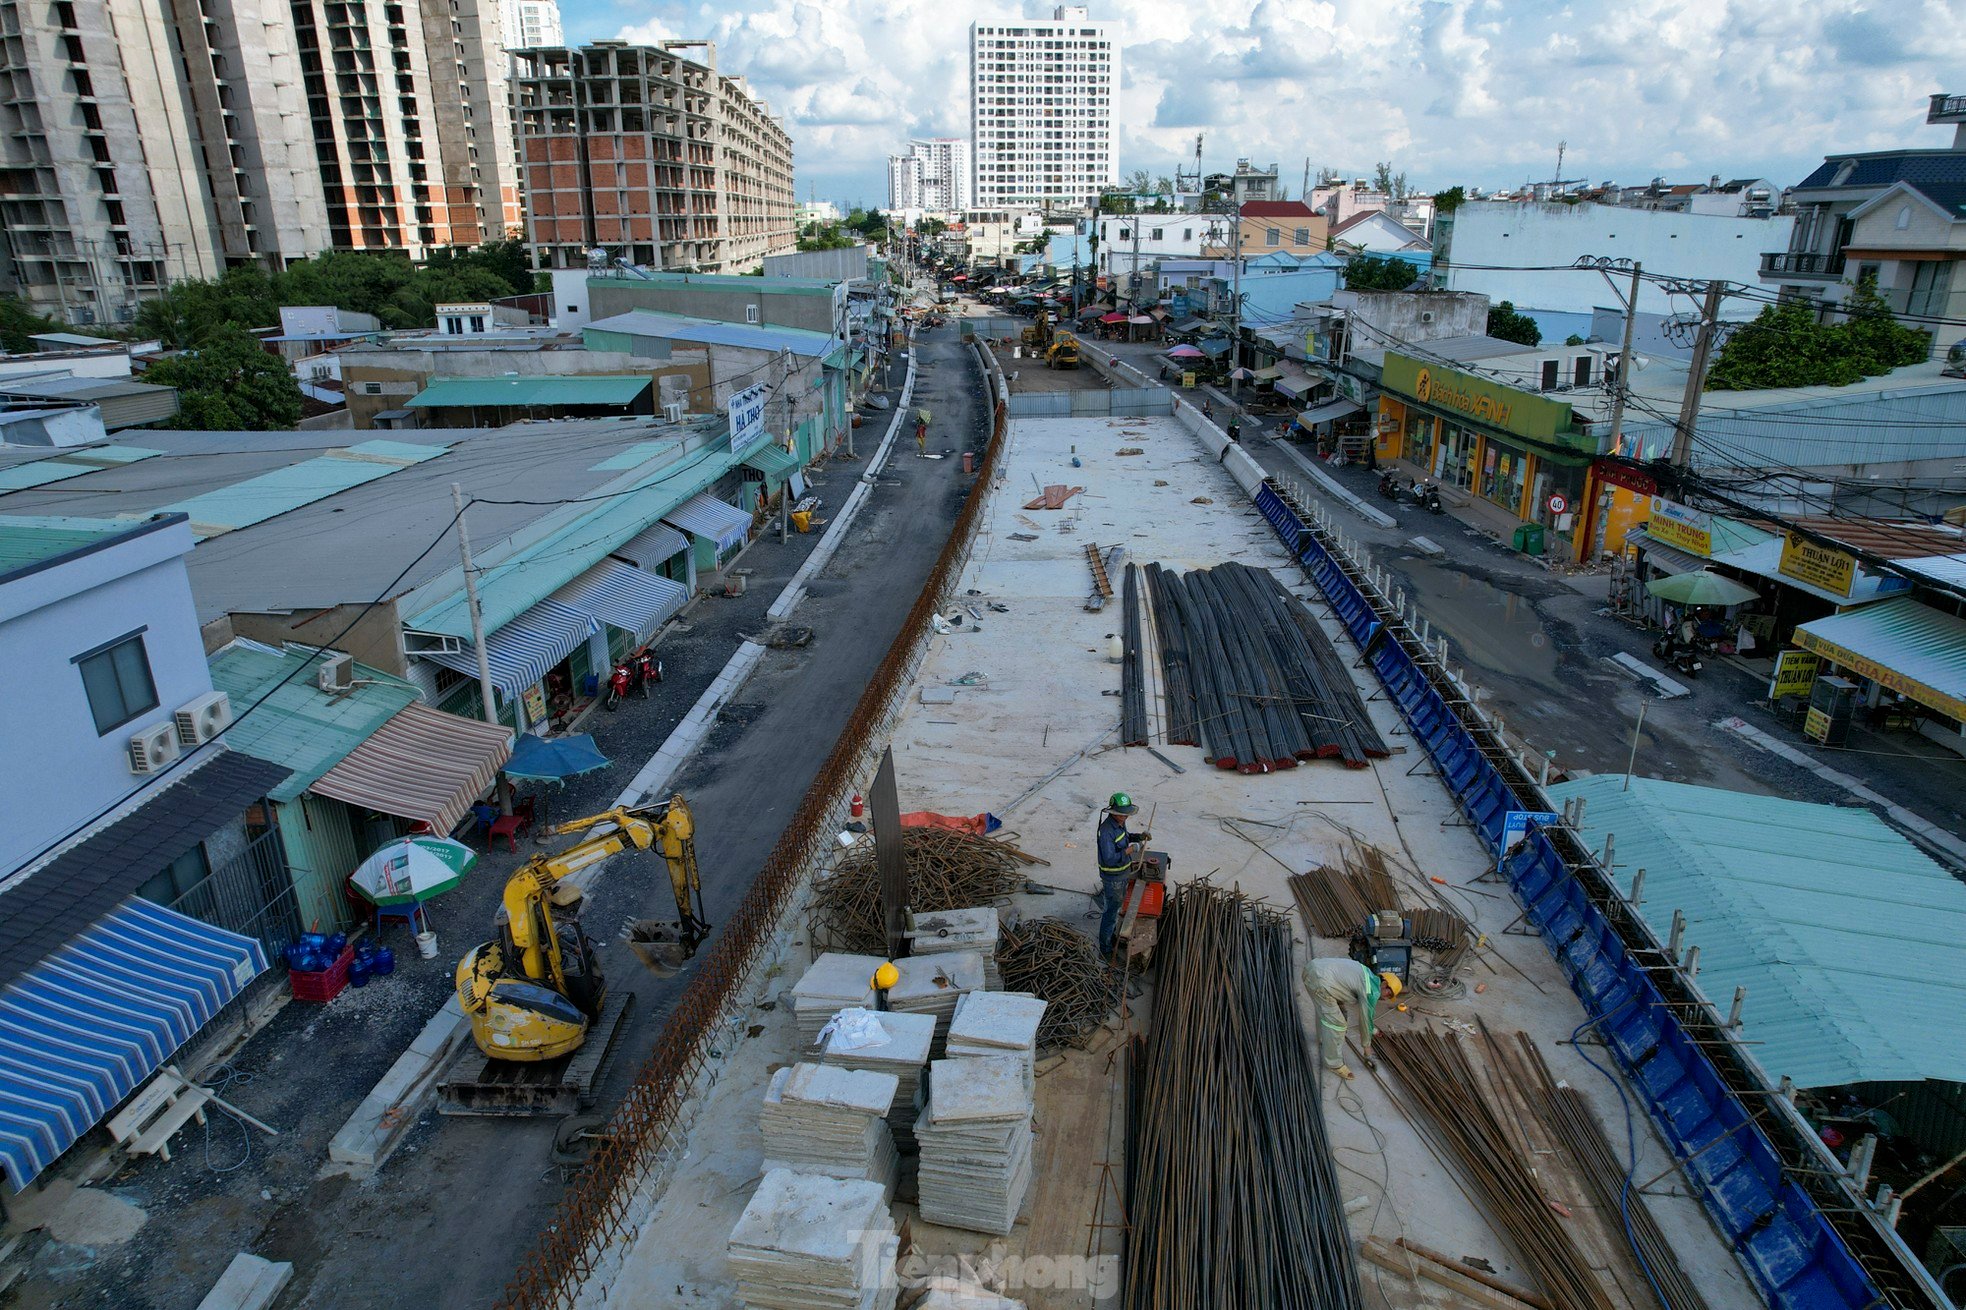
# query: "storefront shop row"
{"type": "Point", "coordinates": [1535, 483]}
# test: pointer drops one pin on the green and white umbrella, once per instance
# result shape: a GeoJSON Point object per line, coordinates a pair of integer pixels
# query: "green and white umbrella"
{"type": "Point", "coordinates": [412, 869]}
{"type": "Point", "coordinates": [1700, 587]}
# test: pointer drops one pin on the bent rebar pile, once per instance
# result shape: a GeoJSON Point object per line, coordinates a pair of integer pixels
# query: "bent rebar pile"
{"type": "Point", "coordinates": [1250, 671]}
{"type": "Point", "coordinates": [1232, 1192]}
{"type": "Point", "coordinates": [1442, 1083]}
{"type": "Point", "coordinates": [947, 870]}
{"type": "Point", "coordinates": [1060, 966]}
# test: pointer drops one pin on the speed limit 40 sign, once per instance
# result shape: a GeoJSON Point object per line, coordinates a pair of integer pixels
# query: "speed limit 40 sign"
{"type": "Point", "coordinates": [1558, 503]}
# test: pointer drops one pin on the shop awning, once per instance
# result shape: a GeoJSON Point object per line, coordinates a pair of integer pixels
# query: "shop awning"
{"type": "Point", "coordinates": [623, 596]}
{"type": "Point", "coordinates": [1900, 644]}
{"type": "Point", "coordinates": [653, 546]}
{"type": "Point", "coordinates": [1294, 382]}
{"type": "Point", "coordinates": [1269, 374]}
{"type": "Point", "coordinates": [1114, 317]}
{"type": "Point", "coordinates": [1331, 409]}
{"type": "Point", "coordinates": [1215, 347]}
{"type": "Point", "coordinates": [776, 463]}
{"type": "Point", "coordinates": [522, 652]}
{"type": "Point", "coordinates": [1666, 559]}
{"type": "Point", "coordinates": [85, 1026]}
{"type": "Point", "coordinates": [706, 516]}
{"type": "Point", "coordinates": [423, 765]}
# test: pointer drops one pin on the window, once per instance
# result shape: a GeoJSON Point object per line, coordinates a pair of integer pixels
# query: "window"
{"type": "Point", "coordinates": [1549, 375]}
{"type": "Point", "coordinates": [179, 878]}
{"type": "Point", "coordinates": [117, 680]}
{"type": "Point", "coordinates": [477, 322]}
{"type": "Point", "coordinates": [1270, 236]}
{"type": "Point", "coordinates": [1581, 374]}
{"type": "Point", "coordinates": [371, 388]}
{"type": "Point", "coordinates": [750, 313]}
{"type": "Point", "coordinates": [1301, 237]}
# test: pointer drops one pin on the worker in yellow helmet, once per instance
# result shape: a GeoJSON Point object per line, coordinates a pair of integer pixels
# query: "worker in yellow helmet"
{"type": "Point", "coordinates": [1338, 982]}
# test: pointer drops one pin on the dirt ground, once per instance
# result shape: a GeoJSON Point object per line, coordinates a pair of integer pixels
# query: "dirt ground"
{"type": "Point", "coordinates": [1028, 374]}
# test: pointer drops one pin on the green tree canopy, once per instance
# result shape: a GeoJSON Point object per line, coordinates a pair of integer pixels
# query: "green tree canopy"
{"type": "Point", "coordinates": [18, 324]}
{"type": "Point", "coordinates": [1379, 273]}
{"type": "Point", "coordinates": [1504, 322]}
{"type": "Point", "coordinates": [229, 383]}
{"type": "Point", "coordinates": [1788, 346]}
{"type": "Point", "coordinates": [1446, 202]}
{"type": "Point", "coordinates": [191, 309]}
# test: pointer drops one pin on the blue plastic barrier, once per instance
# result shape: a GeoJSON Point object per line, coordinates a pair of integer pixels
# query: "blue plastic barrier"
{"type": "Point", "coordinates": [1797, 1259]}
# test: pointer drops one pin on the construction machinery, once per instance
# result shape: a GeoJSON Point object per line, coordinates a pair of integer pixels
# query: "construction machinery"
{"type": "Point", "coordinates": [1037, 337]}
{"type": "Point", "coordinates": [1063, 351]}
{"type": "Point", "coordinates": [535, 991]}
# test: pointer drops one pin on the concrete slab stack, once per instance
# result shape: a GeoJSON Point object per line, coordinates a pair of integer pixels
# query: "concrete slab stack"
{"type": "Point", "coordinates": [904, 1055]}
{"type": "Point", "coordinates": [943, 931]}
{"type": "Point", "coordinates": [835, 981]}
{"type": "Point", "coordinates": [999, 1024]}
{"type": "Point", "coordinates": [932, 984]}
{"type": "Point", "coordinates": [811, 1243]}
{"type": "Point", "coordinates": [830, 1121]}
{"type": "Point", "coordinates": [975, 1138]}
{"type": "Point", "coordinates": [950, 1294]}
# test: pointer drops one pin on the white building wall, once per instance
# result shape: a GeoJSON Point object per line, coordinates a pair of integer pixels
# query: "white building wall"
{"type": "Point", "coordinates": [904, 181]}
{"type": "Point", "coordinates": [65, 772]}
{"type": "Point", "coordinates": [531, 24]}
{"type": "Point", "coordinates": [1497, 245]}
{"type": "Point", "coordinates": [1041, 110]}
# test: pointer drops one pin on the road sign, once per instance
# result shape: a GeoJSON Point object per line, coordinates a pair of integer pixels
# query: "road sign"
{"type": "Point", "coordinates": [1558, 503]}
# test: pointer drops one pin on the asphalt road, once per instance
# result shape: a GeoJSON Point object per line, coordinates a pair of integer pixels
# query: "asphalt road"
{"type": "Point", "coordinates": [449, 1217]}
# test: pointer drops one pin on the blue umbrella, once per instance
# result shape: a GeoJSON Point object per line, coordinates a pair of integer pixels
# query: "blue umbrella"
{"type": "Point", "coordinates": [556, 759]}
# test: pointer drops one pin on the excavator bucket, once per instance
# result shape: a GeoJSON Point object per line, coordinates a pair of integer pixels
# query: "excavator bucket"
{"type": "Point", "coordinates": [659, 944]}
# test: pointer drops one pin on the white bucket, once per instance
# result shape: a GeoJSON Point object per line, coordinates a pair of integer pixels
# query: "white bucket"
{"type": "Point", "coordinates": [426, 945]}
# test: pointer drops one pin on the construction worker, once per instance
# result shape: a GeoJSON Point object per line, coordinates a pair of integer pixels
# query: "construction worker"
{"type": "Point", "coordinates": [921, 435]}
{"type": "Point", "coordinates": [1336, 982]}
{"type": "Point", "coordinates": [1119, 854]}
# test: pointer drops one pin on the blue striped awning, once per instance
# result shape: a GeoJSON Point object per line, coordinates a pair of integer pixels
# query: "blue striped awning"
{"type": "Point", "coordinates": [706, 516]}
{"type": "Point", "coordinates": [653, 546]}
{"type": "Point", "coordinates": [524, 650]}
{"type": "Point", "coordinates": [82, 1029]}
{"type": "Point", "coordinates": [622, 596]}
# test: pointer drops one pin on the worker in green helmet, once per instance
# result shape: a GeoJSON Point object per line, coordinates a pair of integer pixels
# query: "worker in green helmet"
{"type": "Point", "coordinates": [1339, 984]}
{"type": "Point", "coordinates": [1119, 855]}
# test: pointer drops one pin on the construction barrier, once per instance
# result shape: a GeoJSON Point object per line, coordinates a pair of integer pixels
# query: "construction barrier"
{"type": "Point", "coordinates": [1796, 1254]}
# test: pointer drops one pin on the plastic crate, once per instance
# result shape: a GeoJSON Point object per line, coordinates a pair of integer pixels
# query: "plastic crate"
{"type": "Point", "coordinates": [324, 985]}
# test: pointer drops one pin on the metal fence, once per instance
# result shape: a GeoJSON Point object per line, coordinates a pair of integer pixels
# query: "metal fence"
{"type": "Point", "coordinates": [594, 1212]}
{"type": "Point", "coordinates": [1120, 402]}
{"type": "Point", "coordinates": [251, 894]}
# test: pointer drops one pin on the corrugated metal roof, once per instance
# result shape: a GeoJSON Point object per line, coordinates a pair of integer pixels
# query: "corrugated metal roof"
{"type": "Point", "coordinates": [1850, 941]}
{"type": "Point", "coordinates": [299, 725]}
{"type": "Point", "coordinates": [589, 389]}
{"type": "Point", "coordinates": [31, 538]}
{"type": "Point", "coordinates": [639, 453]}
{"type": "Point", "coordinates": [1914, 641]}
{"type": "Point", "coordinates": [272, 494]}
{"type": "Point", "coordinates": [705, 331]}
{"type": "Point", "coordinates": [772, 460]}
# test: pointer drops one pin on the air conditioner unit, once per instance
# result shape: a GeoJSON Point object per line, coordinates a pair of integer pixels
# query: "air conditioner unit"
{"type": "Point", "coordinates": [153, 748]}
{"type": "Point", "coordinates": [675, 410]}
{"type": "Point", "coordinates": [335, 675]}
{"type": "Point", "coordinates": [1426, 316]}
{"type": "Point", "coordinates": [201, 720]}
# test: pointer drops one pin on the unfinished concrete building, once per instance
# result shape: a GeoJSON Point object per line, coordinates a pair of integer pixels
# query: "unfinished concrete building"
{"type": "Point", "coordinates": [145, 143]}
{"type": "Point", "coordinates": [650, 155]}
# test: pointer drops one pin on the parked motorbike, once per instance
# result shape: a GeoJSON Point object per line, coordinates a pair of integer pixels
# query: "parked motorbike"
{"type": "Point", "coordinates": [1677, 656]}
{"type": "Point", "coordinates": [618, 683]}
{"type": "Point", "coordinates": [1427, 496]}
{"type": "Point", "coordinates": [648, 670]}
{"type": "Point", "coordinates": [1389, 486]}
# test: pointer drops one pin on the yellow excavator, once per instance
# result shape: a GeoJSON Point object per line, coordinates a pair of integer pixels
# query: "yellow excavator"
{"type": "Point", "coordinates": [1063, 351]}
{"type": "Point", "coordinates": [533, 991]}
{"type": "Point", "coordinates": [1037, 337]}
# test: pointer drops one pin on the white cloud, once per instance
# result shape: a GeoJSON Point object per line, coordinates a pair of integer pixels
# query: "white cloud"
{"type": "Point", "coordinates": [1475, 91]}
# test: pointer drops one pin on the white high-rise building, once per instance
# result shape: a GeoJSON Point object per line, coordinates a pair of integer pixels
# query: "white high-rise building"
{"type": "Point", "coordinates": [1041, 110]}
{"type": "Point", "coordinates": [933, 175]}
{"type": "Point", "coordinates": [532, 24]}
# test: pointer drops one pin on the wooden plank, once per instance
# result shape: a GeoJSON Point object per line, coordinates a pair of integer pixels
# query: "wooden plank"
{"type": "Point", "coordinates": [1393, 1259]}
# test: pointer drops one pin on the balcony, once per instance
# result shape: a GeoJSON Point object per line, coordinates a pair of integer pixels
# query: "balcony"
{"type": "Point", "coordinates": [1802, 264]}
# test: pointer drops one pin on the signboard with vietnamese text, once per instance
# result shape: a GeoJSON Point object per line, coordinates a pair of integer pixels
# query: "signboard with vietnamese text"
{"type": "Point", "coordinates": [1890, 679]}
{"type": "Point", "coordinates": [746, 409]}
{"type": "Point", "coordinates": [1515, 830]}
{"type": "Point", "coordinates": [1484, 400]}
{"type": "Point", "coordinates": [1816, 725]}
{"type": "Point", "coordinates": [1818, 565]}
{"type": "Point", "coordinates": [1795, 673]}
{"type": "Point", "coordinates": [1675, 525]}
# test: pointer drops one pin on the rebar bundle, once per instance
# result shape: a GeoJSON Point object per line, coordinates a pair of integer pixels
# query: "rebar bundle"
{"type": "Point", "coordinates": [1232, 1192]}
{"type": "Point", "coordinates": [1250, 675]}
{"type": "Point", "coordinates": [947, 870]}
{"type": "Point", "coordinates": [1133, 672]}
{"type": "Point", "coordinates": [1059, 965]}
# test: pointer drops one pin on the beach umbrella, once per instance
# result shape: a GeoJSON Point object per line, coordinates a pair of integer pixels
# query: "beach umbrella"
{"type": "Point", "coordinates": [412, 869]}
{"type": "Point", "coordinates": [554, 759]}
{"type": "Point", "coordinates": [1701, 587]}
{"type": "Point", "coordinates": [1184, 352]}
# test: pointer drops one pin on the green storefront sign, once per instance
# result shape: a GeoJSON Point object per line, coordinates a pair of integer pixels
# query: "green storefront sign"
{"type": "Point", "coordinates": [1483, 400]}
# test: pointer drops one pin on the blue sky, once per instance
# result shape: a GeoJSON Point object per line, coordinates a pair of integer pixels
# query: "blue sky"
{"type": "Point", "coordinates": [1467, 91]}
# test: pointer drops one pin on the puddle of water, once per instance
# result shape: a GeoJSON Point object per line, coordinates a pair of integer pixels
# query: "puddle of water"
{"type": "Point", "coordinates": [1494, 630]}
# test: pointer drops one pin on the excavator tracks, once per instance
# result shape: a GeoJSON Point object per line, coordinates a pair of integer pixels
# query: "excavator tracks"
{"type": "Point", "coordinates": [475, 1084]}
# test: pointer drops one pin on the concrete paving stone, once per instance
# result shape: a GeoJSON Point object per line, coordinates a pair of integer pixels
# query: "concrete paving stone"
{"type": "Point", "coordinates": [248, 1283]}
{"type": "Point", "coordinates": [975, 1088]}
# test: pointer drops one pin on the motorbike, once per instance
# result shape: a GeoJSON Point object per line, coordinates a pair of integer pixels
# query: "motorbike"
{"type": "Point", "coordinates": [1677, 656]}
{"type": "Point", "coordinates": [618, 683]}
{"type": "Point", "coordinates": [648, 670]}
{"type": "Point", "coordinates": [1427, 496]}
{"type": "Point", "coordinates": [1389, 486]}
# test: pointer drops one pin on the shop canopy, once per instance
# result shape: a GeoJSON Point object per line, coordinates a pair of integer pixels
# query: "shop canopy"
{"type": "Point", "coordinates": [1664, 558]}
{"type": "Point", "coordinates": [1140, 319]}
{"type": "Point", "coordinates": [705, 516]}
{"type": "Point", "coordinates": [1114, 317]}
{"type": "Point", "coordinates": [1294, 382]}
{"type": "Point", "coordinates": [523, 651]}
{"type": "Point", "coordinates": [1329, 411]}
{"type": "Point", "coordinates": [775, 464]}
{"type": "Point", "coordinates": [84, 1027]}
{"type": "Point", "coordinates": [1215, 347]}
{"type": "Point", "coordinates": [1270, 374]}
{"type": "Point", "coordinates": [654, 546]}
{"type": "Point", "coordinates": [1185, 352]}
{"type": "Point", "coordinates": [1900, 644]}
{"type": "Point", "coordinates": [423, 765]}
{"type": "Point", "coordinates": [623, 596]}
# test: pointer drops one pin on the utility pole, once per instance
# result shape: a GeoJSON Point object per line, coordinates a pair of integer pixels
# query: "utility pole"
{"type": "Point", "coordinates": [485, 694]}
{"type": "Point", "coordinates": [1235, 307]}
{"type": "Point", "coordinates": [1624, 368]}
{"type": "Point", "coordinates": [785, 411]}
{"type": "Point", "coordinates": [1696, 375]}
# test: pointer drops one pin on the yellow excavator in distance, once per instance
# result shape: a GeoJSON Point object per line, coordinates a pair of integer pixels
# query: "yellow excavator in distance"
{"type": "Point", "coordinates": [533, 991]}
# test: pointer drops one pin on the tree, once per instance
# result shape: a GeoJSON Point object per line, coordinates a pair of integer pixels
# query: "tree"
{"type": "Point", "coordinates": [1382, 177]}
{"type": "Point", "coordinates": [1788, 346]}
{"type": "Point", "coordinates": [824, 236]}
{"type": "Point", "coordinates": [192, 309]}
{"type": "Point", "coordinates": [1140, 182]}
{"type": "Point", "coordinates": [1446, 202]}
{"type": "Point", "coordinates": [18, 324]}
{"type": "Point", "coordinates": [1399, 191]}
{"type": "Point", "coordinates": [1164, 186]}
{"type": "Point", "coordinates": [1504, 322]}
{"type": "Point", "coordinates": [1379, 273]}
{"type": "Point", "coordinates": [229, 383]}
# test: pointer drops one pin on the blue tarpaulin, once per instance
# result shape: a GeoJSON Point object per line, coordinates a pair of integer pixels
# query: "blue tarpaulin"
{"type": "Point", "coordinates": [555, 758]}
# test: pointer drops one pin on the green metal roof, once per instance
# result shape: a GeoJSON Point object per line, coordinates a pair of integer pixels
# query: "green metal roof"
{"type": "Point", "coordinates": [31, 538]}
{"type": "Point", "coordinates": [773, 461]}
{"type": "Point", "coordinates": [1850, 941]}
{"type": "Point", "coordinates": [70, 464]}
{"type": "Point", "coordinates": [633, 456]}
{"type": "Point", "coordinates": [588, 389]}
{"type": "Point", "coordinates": [300, 726]}
{"type": "Point", "coordinates": [1731, 535]}
{"type": "Point", "coordinates": [272, 494]}
{"type": "Point", "coordinates": [1901, 643]}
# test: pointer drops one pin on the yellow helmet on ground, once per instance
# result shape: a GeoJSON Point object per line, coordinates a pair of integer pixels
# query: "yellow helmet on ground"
{"type": "Point", "coordinates": [1392, 983]}
{"type": "Point", "coordinates": [886, 976]}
